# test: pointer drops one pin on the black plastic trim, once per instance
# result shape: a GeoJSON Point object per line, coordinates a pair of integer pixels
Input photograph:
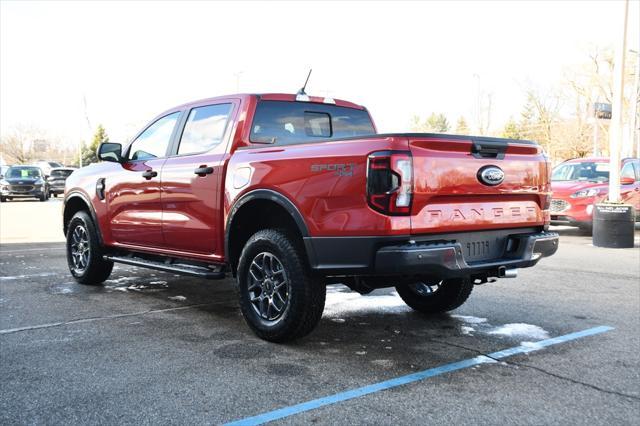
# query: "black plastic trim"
{"type": "Point", "coordinates": [265, 194]}
{"type": "Point", "coordinates": [394, 255]}
{"type": "Point", "coordinates": [92, 212]}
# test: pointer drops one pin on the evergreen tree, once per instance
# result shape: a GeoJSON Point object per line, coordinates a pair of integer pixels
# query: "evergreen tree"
{"type": "Point", "coordinates": [89, 153]}
{"type": "Point", "coordinates": [512, 130]}
{"type": "Point", "coordinates": [462, 128]}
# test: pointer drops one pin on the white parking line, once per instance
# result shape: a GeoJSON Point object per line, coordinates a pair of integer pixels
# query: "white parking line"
{"type": "Point", "coordinates": [19, 277]}
{"type": "Point", "coordinates": [33, 249]}
{"type": "Point", "coordinates": [82, 320]}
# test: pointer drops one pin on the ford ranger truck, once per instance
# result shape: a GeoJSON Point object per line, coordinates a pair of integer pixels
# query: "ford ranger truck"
{"type": "Point", "coordinates": [290, 193]}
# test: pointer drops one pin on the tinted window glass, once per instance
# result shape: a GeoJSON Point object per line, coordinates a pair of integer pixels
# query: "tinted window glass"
{"type": "Point", "coordinates": [154, 141]}
{"type": "Point", "coordinates": [204, 129]}
{"type": "Point", "coordinates": [303, 122]}
{"type": "Point", "coordinates": [581, 171]}
{"type": "Point", "coordinates": [61, 173]}
{"type": "Point", "coordinates": [23, 172]}
{"type": "Point", "coordinates": [627, 171]}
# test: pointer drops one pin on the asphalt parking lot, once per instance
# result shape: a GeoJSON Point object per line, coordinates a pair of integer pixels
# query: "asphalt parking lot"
{"type": "Point", "coordinates": [149, 347]}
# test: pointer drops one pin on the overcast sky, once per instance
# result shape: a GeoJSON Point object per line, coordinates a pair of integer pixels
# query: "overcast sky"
{"type": "Point", "coordinates": [131, 61]}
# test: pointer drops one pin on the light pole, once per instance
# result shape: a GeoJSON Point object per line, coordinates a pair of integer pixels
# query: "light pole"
{"type": "Point", "coordinates": [613, 222]}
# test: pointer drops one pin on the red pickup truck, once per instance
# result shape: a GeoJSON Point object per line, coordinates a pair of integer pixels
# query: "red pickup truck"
{"type": "Point", "coordinates": [289, 193]}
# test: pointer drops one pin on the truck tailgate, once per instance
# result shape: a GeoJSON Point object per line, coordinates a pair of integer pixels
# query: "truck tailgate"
{"type": "Point", "coordinates": [449, 194]}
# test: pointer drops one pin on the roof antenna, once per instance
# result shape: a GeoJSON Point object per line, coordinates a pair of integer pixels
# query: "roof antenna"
{"type": "Point", "coordinates": [302, 95]}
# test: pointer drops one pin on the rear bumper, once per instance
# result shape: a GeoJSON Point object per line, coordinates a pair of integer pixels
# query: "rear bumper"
{"type": "Point", "coordinates": [447, 260]}
{"type": "Point", "coordinates": [439, 255]}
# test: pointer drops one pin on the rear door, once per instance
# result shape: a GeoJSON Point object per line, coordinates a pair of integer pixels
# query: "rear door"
{"type": "Point", "coordinates": [458, 186]}
{"type": "Point", "coordinates": [191, 179]}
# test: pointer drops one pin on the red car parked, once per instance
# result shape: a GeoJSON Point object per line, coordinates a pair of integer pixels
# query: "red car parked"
{"type": "Point", "coordinates": [289, 193]}
{"type": "Point", "coordinates": [580, 183]}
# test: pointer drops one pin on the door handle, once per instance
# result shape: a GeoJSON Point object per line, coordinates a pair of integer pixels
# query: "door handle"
{"type": "Point", "coordinates": [202, 171]}
{"type": "Point", "coordinates": [149, 174]}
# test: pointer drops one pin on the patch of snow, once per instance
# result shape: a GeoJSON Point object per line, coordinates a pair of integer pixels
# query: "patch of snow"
{"type": "Point", "coordinates": [340, 302]}
{"type": "Point", "coordinates": [361, 352]}
{"type": "Point", "coordinates": [520, 330]}
{"type": "Point", "coordinates": [466, 330]}
{"type": "Point", "coordinates": [178, 298]}
{"type": "Point", "coordinates": [386, 363]}
{"type": "Point", "coordinates": [110, 287]}
{"type": "Point", "coordinates": [338, 320]}
{"type": "Point", "coordinates": [481, 359]}
{"type": "Point", "coordinates": [469, 319]}
{"type": "Point", "coordinates": [531, 346]}
{"type": "Point", "coordinates": [121, 280]}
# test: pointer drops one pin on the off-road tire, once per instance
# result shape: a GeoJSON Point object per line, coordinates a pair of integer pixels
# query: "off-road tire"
{"type": "Point", "coordinates": [451, 294]}
{"type": "Point", "coordinates": [306, 294]}
{"type": "Point", "coordinates": [3, 200]}
{"type": "Point", "coordinates": [97, 269]}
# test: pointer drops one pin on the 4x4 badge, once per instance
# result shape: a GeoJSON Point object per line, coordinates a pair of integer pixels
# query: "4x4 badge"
{"type": "Point", "coordinates": [491, 175]}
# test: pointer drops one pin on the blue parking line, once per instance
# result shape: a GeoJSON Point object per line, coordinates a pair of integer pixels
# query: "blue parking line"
{"type": "Point", "coordinates": [410, 378]}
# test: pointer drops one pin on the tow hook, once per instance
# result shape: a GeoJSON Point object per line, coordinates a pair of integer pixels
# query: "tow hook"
{"type": "Point", "coordinates": [503, 272]}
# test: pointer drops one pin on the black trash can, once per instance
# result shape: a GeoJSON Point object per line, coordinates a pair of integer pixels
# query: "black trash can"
{"type": "Point", "coordinates": [613, 225]}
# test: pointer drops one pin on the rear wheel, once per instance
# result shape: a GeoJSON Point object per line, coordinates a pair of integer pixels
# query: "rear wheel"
{"type": "Point", "coordinates": [84, 254]}
{"type": "Point", "coordinates": [279, 298]}
{"type": "Point", "coordinates": [431, 297]}
{"type": "Point", "coordinates": [3, 199]}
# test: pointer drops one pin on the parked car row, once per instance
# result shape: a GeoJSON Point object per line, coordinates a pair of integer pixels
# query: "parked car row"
{"type": "Point", "coordinates": [33, 181]}
{"type": "Point", "coordinates": [579, 184]}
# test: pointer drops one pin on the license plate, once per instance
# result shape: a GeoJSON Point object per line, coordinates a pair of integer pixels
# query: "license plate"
{"type": "Point", "coordinates": [478, 250]}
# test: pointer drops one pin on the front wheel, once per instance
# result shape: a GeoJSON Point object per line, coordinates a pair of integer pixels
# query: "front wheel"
{"type": "Point", "coordinates": [431, 297]}
{"type": "Point", "coordinates": [84, 254]}
{"type": "Point", "coordinates": [279, 298]}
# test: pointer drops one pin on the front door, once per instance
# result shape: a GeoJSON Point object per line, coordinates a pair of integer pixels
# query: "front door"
{"type": "Point", "coordinates": [191, 181]}
{"type": "Point", "coordinates": [133, 196]}
{"type": "Point", "coordinates": [630, 193]}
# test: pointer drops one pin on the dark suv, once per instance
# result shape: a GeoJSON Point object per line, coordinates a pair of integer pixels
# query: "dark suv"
{"type": "Point", "coordinates": [57, 179]}
{"type": "Point", "coordinates": [24, 182]}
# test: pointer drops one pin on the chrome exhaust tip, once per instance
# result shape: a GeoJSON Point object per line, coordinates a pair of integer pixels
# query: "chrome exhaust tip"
{"type": "Point", "coordinates": [503, 272]}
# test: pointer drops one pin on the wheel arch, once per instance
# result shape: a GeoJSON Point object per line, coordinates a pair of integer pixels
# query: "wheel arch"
{"type": "Point", "coordinates": [277, 211]}
{"type": "Point", "coordinates": [75, 202]}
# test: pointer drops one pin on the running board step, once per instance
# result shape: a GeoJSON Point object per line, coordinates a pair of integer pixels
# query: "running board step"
{"type": "Point", "coordinates": [171, 266]}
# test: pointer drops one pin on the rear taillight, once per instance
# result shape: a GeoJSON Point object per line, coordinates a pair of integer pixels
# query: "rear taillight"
{"type": "Point", "coordinates": [390, 182]}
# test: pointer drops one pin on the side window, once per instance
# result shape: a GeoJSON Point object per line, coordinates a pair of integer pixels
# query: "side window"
{"type": "Point", "coordinates": [636, 165]}
{"type": "Point", "coordinates": [627, 171]}
{"type": "Point", "coordinates": [204, 129]}
{"type": "Point", "coordinates": [154, 141]}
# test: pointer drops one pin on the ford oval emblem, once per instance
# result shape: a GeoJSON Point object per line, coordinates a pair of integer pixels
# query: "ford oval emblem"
{"type": "Point", "coordinates": [491, 175]}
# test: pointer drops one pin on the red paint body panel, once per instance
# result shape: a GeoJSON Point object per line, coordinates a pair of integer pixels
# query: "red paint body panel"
{"type": "Point", "coordinates": [183, 215]}
{"type": "Point", "coordinates": [448, 196]}
{"type": "Point", "coordinates": [331, 205]}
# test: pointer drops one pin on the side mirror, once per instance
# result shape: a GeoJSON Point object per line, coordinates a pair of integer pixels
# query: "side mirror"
{"type": "Point", "coordinates": [627, 180]}
{"type": "Point", "coordinates": [109, 151]}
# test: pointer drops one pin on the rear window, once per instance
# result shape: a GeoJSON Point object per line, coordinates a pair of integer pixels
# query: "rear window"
{"type": "Point", "coordinates": [286, 123]}
{"type": "Point", "coordinates": [61, 173]}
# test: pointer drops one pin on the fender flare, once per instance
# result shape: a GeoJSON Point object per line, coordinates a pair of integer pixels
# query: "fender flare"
{"type": "Point", "coordinates": [92, 211]}
{"type": "Point", "coordinates": [264, 194]}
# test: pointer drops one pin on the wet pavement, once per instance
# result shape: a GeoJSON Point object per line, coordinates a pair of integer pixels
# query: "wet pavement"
{"type": "Point", "coordinates": [150, 347]}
